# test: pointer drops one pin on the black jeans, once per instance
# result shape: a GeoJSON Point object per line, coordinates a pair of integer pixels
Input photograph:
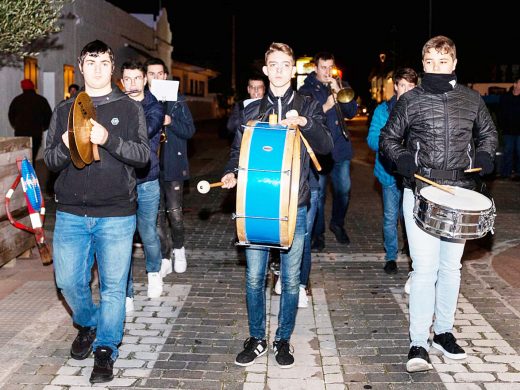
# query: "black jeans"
{"type": "Point", "coordinates": [170, 223]}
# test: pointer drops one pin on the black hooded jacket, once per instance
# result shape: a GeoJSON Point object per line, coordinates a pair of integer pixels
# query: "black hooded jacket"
{"type": "Point", "coordinates": [105, 188]}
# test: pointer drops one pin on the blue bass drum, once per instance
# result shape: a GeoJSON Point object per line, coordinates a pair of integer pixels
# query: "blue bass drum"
{"type": "Point", "coordinates": [267, 185]}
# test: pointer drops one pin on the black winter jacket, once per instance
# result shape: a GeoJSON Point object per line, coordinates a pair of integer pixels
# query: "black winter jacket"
{"type": "Point", "coordinates": [174, 151]}
{"type": "Point", "coordinates": [29, 114]}
{"type": "Point", "coordinates": [442, 131]}
{"type": "Point", "coordinates": [315, 131]}
{"type": "Point", "coordinates": [154, 114]}
{"type": "Point", "coordinates": [105, 188]}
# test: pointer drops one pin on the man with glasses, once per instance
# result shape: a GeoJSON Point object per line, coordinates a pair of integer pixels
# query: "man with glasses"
{"type": "Point", "coordinates": [174, 170]}
{"type": "Point", "coordinates": [148, 191]}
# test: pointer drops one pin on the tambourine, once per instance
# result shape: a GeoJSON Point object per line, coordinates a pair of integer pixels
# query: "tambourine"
{"type": "Point", "coordinates": [35, 207]}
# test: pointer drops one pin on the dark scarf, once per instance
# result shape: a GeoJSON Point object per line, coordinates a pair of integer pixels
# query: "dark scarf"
{"type": "Point", "coordinates": [438, 83]}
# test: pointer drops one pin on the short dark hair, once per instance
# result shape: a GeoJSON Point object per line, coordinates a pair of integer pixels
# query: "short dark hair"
{"type": "Point", "coordinates": [133, 64]}
{"type": "Point", "coordinates": [155, 61]}
{"type": "Point", "coordinates": [75, 86]}
{"type": "Point", "coordinates": [256, 77]}
{"type": "Point", "coordinates": [324, 56]}
{"type": "Point", "coordinates": [94, 49]}
{"type": "Point", "coordinates": [408, 74]}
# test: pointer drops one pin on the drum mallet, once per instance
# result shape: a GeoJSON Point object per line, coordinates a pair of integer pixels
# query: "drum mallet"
{"type": "Point", "coordinates": [203, 186]}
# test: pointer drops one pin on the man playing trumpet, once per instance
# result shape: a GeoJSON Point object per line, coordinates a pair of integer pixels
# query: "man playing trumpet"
{"type": "Point", "coordinates": [324, 85]}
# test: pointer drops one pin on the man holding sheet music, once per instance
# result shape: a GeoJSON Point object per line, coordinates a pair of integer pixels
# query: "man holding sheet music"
{"type": "Point", "coordinates": [174, 169]}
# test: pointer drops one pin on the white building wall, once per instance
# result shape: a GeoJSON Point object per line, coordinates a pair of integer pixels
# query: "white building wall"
{"type": "Point", "coordinates": [85, 21]}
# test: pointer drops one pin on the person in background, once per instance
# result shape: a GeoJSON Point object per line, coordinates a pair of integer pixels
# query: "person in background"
{"type": "Point", "coordinates": [323, 86]}
{"type": "Point", "coordinates": [291, 108]}
{"type": "Point", "coordinates": [30, 115]}
{"type": "Point", "coordinates": [509, 121]}
{"type": "Point", "coordinates": [438, 129]}
{"type": "Point", "coordinates": [404, 80]}
{"type": "Point", "coordinates": [174, 170]}
{"type": "Point", "coordinates": [96, 209]}
{"type": "Point", "coordinates": [256, 90]}
{"type": "Point", "coordinates": [133, 78]}
{"type": "Point", "coordinates": [73, 90]}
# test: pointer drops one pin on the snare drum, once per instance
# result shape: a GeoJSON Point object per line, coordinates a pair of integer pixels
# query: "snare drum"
{"type": "Point", "coordinates": [267, 185]}
{"type": "Point", "coordinates": [465, 215]}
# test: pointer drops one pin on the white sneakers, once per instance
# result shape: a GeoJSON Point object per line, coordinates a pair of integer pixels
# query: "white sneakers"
{"type": "Point", "coordinates": [180, 263]}
{"type": "Point", "coordinates": [129, 305]}
{"type": "Point", "coordinates": [278, 285]}
{"type": "Point", "coordinates": [155, 284]}
{"type": "Point", "coordinates": [166, 267]}
{"type": "Point", "coordinates": [408, 283]}
{"type": "Point", "coordinates": [303, 301]}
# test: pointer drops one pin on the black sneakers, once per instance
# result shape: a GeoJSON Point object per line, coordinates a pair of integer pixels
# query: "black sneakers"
{"type": "Point", "coordinates": [418, 360]}
{"type": "Point", "coordinates": [447, 344]}
{"type": "Point", "coordinates": [103, 366]}
{"type": "Point", "coordinates": [339, 232]}
{"type": "Point", "coordinates": [253, 348]}
{"type": "Point", "coordinates": [390, 267]}
{"type": "Point", "coordinates": [82, 344]}
{"type": "Point", "coordinates": [283, 353]}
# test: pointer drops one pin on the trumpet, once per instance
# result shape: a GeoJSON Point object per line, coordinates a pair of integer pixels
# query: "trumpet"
{"type": "Point", "coordinates": [345, 94]}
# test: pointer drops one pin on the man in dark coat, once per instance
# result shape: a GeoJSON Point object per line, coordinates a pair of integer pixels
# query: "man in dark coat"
{"type": "Point", "coordinates": [30, 115]}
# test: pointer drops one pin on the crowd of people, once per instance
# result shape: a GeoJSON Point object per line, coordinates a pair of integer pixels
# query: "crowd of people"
{"type": "Point", "coordinates": [139, 186]}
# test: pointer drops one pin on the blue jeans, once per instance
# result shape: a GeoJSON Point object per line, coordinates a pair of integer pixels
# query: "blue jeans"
{"type": "Point", "coordinates": [305, 269]}
{"type": "Point", "coordinates": [435, 279]}
{"type": "Point", "coordinates": [391, 214]}
{"type": "Point", "coordinates": [340, 176]}
{"type": "Point", "coordinates": [511, 151]}
{"type": "Point", "coordinates": [77, 239]}
{"type": "Point", "coordinates": [148, 198]}
{"type": "Point", "coordinates": [290, 260]}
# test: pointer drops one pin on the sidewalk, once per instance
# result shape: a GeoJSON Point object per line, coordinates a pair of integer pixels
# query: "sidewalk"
{"type": "Point", "coordinates": [353, 335]}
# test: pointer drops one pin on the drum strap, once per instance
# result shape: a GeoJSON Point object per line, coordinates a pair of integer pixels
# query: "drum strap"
{"type": "Point", "coordinates": [455, 174]}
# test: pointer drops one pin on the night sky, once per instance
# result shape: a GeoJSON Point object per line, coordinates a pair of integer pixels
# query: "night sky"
{"type": "Point", "coordinates": [354, 32]}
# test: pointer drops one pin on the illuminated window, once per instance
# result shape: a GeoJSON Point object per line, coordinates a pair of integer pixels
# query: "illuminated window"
{"type": "Point", "coordinates": [30, 70]}
{"type": "Point", "coordinates": [68, 79]}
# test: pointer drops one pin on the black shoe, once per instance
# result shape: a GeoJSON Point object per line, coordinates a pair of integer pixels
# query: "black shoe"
{"type": "Point", "coordinates": [339, 232]}
{"type": "Point", "coordinates": [82, 344]}
{"type": "Point", "coordinates": [390, 267]}
{"type": "Point", "coordinates": [283, 353]}
{"type": "Point", "coordinates": [103, 366]}
{"type": "Point", "coordinates": [418, 360]}
{"type": "Point", "coordinates": [253, 348]}
{"type": "Point", "coordinates": [447, 344]}
{"type": "Point", "coordinates": [318, 243]}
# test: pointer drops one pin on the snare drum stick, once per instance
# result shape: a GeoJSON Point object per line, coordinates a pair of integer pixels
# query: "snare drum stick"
{"type": "Point", "coordinates": [472, 170]}
{"type": "Point", "coordinates": [311, 153]}
{"type": "Point", "coordinates": [439, 186]}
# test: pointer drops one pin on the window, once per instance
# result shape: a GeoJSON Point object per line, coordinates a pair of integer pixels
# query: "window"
{"type": "Point", "coordinates": [68, 79]}
{"type": "Point", "coordinates": [30, 70]}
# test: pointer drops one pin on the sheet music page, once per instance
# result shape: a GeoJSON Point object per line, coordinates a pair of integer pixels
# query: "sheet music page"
{"type": "Point", "coordinates": [165, 90]}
